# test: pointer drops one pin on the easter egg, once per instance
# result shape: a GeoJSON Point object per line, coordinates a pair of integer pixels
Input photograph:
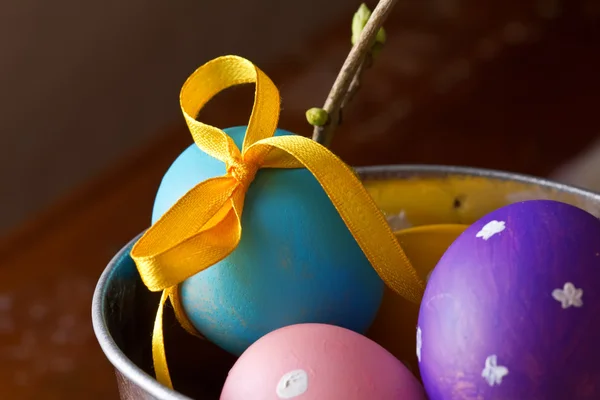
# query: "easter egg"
{"type": "Point", "coordinates": [316, 362]}
{"type": "Point", "coordinates": [394, 325]}
{"type": "Point", "coordinates": [511, 310]}
{"type": "Point", "coordinates": [296, 261]}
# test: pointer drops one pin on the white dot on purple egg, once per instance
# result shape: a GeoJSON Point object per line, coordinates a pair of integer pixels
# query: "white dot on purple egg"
{"type": "Point", "coordinates": [492, 372]}
{"type": "Point", "coordinates": [490, 229]}
{"type": "Point", "coordinates": [568, 296]}
{"type": "Point", "coordinates": [292, 384]}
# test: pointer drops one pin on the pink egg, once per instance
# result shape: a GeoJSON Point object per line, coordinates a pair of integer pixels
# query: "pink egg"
{"type": "Point", "coordinates": [316, 362]}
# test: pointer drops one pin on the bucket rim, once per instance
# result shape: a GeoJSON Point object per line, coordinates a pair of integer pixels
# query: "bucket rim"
{"type": "Point", "coordinates": [437, 170]}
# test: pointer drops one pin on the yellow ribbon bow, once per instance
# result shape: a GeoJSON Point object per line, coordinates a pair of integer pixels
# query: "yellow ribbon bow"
{"type": "Point", "coordinates": [204, 226]}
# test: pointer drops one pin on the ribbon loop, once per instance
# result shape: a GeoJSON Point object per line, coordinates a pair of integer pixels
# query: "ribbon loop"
{"type": "Point", "coordinates": [204, 226]}
{"type": "Point", "coordinates": [216, 76]}
{"type": "Point", "coordinates": [167, 253]}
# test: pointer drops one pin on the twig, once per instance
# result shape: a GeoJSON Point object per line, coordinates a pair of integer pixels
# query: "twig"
{"type": "Point", "coordinates": [348, 80]}
{"type": "Point", "coordinates": [355, 84]}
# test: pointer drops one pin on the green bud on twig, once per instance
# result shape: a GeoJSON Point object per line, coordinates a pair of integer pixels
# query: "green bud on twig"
{"type": "Point", "coordinates": [381, 36]}
{"type": "Point", "coordinates": [361, 16]}
{"type": "Point", "coordinates": [317, 116]}
{"type": "Point", "coordinates": [358, 24]}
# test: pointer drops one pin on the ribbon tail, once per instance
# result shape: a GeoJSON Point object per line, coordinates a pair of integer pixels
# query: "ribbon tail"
{"type": "Point", "coordinates": [230, 230]}
{"type": "Point", "coordinates": [356, 207]}
{"type": "Point", "coordinates": [159, 356]}
{"type": "Point", "coordinates": [175, 297]}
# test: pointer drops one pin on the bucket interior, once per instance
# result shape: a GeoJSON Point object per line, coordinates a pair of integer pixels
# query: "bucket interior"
{"type": "Point", "coordinates": [198, 368]}
{"type": "Point", "coordinates": [409, 196]}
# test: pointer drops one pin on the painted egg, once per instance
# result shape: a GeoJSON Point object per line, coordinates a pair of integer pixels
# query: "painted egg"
{"type": "Point", "coordinates": [296, 262]}
{"type": "Point", "coordinates": [316, 362]}
{"type": "Point", "coordinates": [511, 310]}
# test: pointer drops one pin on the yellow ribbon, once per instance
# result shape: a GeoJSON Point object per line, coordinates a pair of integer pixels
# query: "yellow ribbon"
{"type": "Point", "coordinates": [204, 226]}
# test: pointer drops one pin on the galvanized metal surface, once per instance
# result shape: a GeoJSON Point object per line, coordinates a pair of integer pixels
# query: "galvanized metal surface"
{"type": "Point", "coordinates": [123, 309]}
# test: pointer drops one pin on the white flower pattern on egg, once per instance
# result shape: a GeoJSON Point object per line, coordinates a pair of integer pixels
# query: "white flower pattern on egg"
{"type": "Point", "coordinates": [292, 384]}
{"type": "Point", "coordinates": [568, 296]}
{"type": "Point", "coordinates": [398, 221]}
{"type": "Point", "coordinates": [490, 229]}
{"type": "Point", "coordinates": [492, 372]}
{"type": "Point", "coordinates": [419, 343]}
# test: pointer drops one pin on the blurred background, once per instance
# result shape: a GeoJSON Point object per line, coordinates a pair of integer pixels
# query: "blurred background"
{"type": "Point", "coordinates": [90, 122]}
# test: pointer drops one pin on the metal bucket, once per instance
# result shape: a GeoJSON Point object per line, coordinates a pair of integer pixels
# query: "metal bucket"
{"type": "Point", "coordinates": [123, 309]}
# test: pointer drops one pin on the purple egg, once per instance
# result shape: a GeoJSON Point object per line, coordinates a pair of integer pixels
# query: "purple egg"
{"type": "Point", "coordinates": [512, 310]}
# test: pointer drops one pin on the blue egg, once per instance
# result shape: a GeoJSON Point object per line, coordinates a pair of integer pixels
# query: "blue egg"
{"type": "Point", "coordinates": [296, 263]}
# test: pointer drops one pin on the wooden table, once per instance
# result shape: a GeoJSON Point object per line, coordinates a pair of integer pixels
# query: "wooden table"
{"type": "Point", "coordinates": [498, 94]}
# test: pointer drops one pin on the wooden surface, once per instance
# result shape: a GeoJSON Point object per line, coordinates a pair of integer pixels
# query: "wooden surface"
{"type": "Point", "coordinates": [496, 88]}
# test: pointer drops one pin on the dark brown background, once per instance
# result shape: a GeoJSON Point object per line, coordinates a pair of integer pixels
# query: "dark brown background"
{"type": "Point", "coordinates": [488, 84]}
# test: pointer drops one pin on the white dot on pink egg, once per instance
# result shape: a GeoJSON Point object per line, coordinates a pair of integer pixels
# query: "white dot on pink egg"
{"type": "Point", "coordinates": [292, 384]}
